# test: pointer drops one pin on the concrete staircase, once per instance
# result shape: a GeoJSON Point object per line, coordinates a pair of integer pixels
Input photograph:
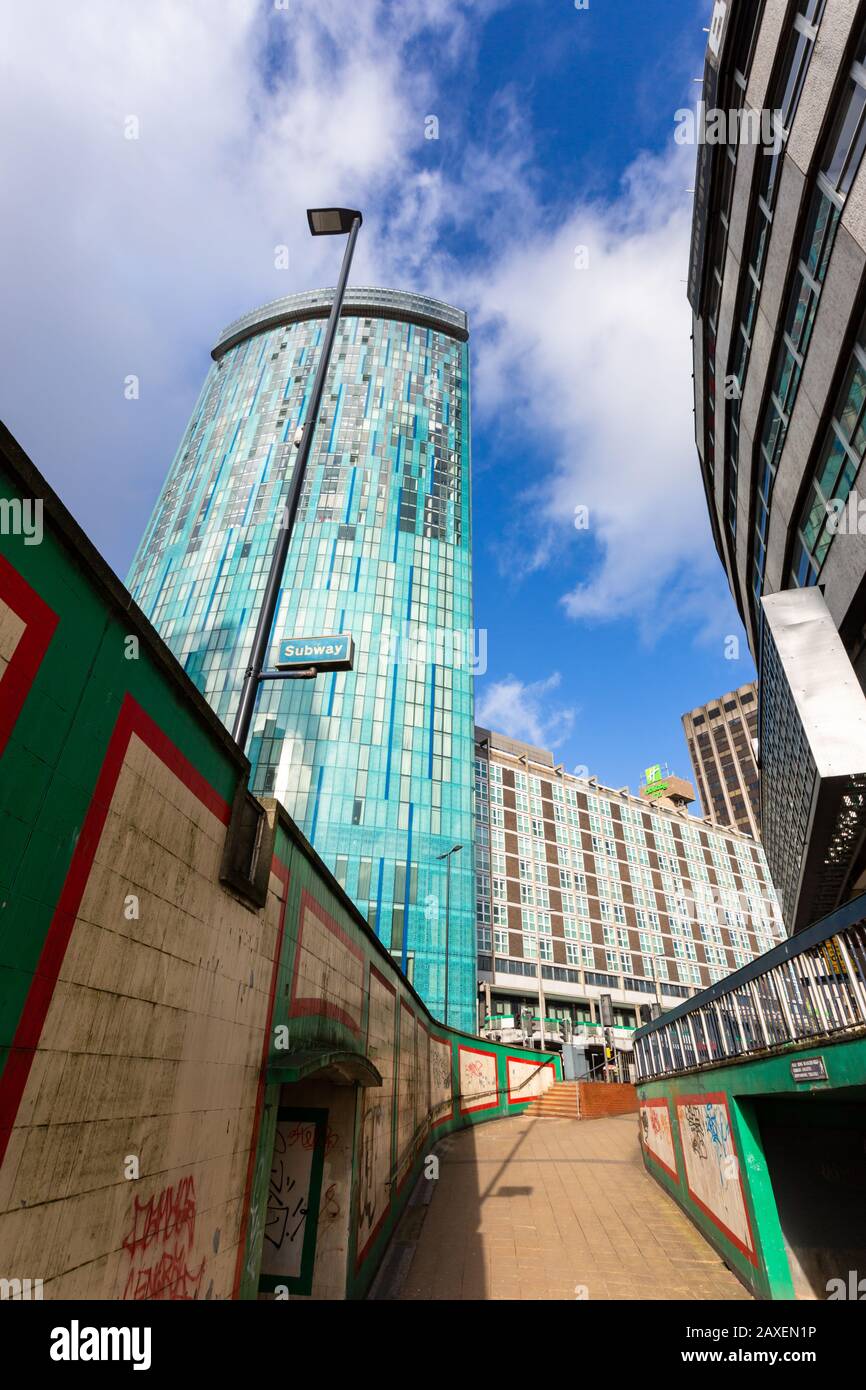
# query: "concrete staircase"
{"type": "Point", "coordinates": [559, 1102]}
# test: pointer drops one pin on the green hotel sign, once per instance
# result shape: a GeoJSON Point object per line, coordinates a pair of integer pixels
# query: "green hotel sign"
{"type": "Point", "coordinates": [654, 783]}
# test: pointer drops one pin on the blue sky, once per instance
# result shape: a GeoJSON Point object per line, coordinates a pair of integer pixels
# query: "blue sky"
{"type": "Point", "coordinates": [554, 206]}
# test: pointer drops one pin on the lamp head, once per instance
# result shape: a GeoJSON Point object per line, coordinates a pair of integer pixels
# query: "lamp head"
{"type": "Point", "coordinates": [332, 221]}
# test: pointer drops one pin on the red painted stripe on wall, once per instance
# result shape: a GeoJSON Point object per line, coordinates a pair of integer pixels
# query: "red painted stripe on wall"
{"type": "Point", "coordinates": [132, 720]}
{"type": "Point", "coordinates": [40, 622]}
{"type": "Point", "coordinates": [315, 1005]}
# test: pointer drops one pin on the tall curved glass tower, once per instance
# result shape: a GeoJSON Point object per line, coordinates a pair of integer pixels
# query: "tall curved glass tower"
{"type": "Point", "coordinates": [374, 764]}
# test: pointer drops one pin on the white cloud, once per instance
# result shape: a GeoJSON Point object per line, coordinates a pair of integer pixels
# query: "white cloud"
{"type": "Point", "coordinates": [130, 255]}
{"type": "Point", "coordinates": [525, 711]}
{"type": "Point", "coordinates": [593, 367]}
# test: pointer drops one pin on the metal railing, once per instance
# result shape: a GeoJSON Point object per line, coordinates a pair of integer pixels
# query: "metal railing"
{"type": "Point", "coordinates": [811, 986]}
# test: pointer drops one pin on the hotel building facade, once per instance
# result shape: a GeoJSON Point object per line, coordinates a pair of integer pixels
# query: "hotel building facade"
{"type": "Point", "coordinates": [374, 764]}
{"type": "Point", "coordinates": [610, 894]}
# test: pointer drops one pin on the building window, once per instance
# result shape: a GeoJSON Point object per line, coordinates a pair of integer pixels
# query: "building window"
{"type": "Point", "coordinates": [786, 95]}
{"type": "Point", "coordinates": [364, 869]}
{"type": "Point", "coordinates": [841, 157]}
{"type": "Point", "coordinates": [839, 463]}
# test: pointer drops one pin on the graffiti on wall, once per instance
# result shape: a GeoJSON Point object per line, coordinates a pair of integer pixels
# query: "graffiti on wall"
{"type": "Point", "coordinates": [372, 1130]}
{"type": "Point", "coordinates": [712, 1167]}
{"type": "Point", "coordinates": [303, 1134]}
{"type": "Point", "coordinates": [477, 1079]}
{"type": "Point", "coordinates": [299, 1148]}
{"type": "Point", "coordinates": [441, 1099]}
{"type": "Point", "coordinates": [374, 1178]}
{"type": "Point", "coordinates": [407, 1095]}
{"type": "Point", "coordinates": [423, 1043]}
{"type": "Point", "coordinates": [288, 1204]}
{"type": "Point", "coordinates": [657, 1135]}
{"type": "Point", "coordinates": [160, 1243]}
{"type": "Point", "coordinates": [301, 1140]}
{"type": "Point", "coordinates": [526, 1080]}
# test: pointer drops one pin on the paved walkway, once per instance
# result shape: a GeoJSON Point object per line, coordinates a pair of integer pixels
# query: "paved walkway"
{"type": "Point", "coordinates": [533, 1208]}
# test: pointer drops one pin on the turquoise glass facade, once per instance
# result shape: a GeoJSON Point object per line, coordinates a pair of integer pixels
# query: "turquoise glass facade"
{"type": "Point", "coordinates": [374, 764]}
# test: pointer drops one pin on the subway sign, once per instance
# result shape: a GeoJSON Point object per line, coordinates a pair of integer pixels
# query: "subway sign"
{"type": "Point", "coordinates": [320, 653]}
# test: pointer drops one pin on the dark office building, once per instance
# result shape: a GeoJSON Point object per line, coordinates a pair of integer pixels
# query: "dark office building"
{"type": "Point", "coordinates": [721, 737]}
{"type": "Point", "coordinates": [777, 285]}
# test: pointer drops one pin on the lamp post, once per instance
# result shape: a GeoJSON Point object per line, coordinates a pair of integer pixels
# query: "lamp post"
{"type": "Point", "coordinates": [542, 1004]}
{"type": "Point", "coordinates": [323, 222]}
{"type": "Point", "coordinates": [656, 983]}
{"type": "Point", "coordinates": [447, 857]}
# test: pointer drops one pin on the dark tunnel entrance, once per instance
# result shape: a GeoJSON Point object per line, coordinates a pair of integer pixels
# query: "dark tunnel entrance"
{"type": "Point", "coordinates": [815, 1147]}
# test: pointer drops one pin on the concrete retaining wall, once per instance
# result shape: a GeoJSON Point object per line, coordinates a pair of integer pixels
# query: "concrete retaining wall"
{"type": "Point", "coordinates": [194, 1087]}
{"type": "Point", "coordinates": [770, 1169]}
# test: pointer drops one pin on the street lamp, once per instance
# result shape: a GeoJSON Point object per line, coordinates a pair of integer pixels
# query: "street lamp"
{"type": "Point", "coordinates": [332, 221]}
{"type": "Point", "coordinates": [447, 857]}
{"type": "Point", "coordinates": [323, 222]}
{"type": "Point", "coordinates": [652, 960]}
{"type": "Point", "coordinates": [542, 1003]}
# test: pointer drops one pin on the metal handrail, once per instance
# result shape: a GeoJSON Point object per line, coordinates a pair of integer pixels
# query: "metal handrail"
{"type": "Point", "coordinates": [812, 985]}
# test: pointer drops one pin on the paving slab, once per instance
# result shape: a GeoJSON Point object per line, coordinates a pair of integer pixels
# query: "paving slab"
{"type": "Point", "coordinates": [539, 1208]}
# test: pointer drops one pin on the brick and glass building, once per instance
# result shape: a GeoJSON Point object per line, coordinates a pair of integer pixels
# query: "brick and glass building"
{"type": "Point", "coordinates": [374, 764]}
{"type": "Point", "coordinates": [722, 741]}
{"type": "Point", "coordinates": [616, 896]}
{"type": "Point", "coordinates": [777, 286]}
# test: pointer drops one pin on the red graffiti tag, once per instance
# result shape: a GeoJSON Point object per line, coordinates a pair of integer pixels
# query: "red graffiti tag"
{"type": "Point", "coordinates": [305, 1134]}
{"type": "Point", "coordinates": [167, 1221]}
{"type": "Point", "coordinates": [169, 1278]}
{"type": "Point", "coordinates": [159, 1218]}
